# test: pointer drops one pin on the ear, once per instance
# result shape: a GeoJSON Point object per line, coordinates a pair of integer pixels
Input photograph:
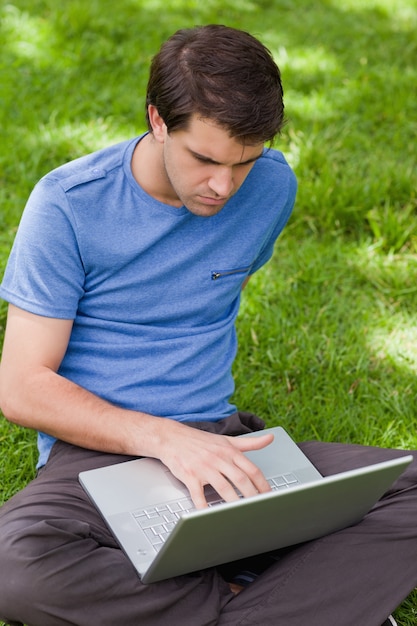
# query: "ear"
{"type": "Point", "coordinates": [159, 129]}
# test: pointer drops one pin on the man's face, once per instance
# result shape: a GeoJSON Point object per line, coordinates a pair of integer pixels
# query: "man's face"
{"type": "Point", "coordinates": [204, 166]}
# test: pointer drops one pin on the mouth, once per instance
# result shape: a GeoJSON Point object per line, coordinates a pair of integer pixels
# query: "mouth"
{"type": "Point", "coordinates": [213, 201]}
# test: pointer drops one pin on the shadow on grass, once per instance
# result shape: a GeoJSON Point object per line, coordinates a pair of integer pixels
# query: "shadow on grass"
{"type": "Point", "coordinates": [81, 71]}
{"type": "Point", "coordinates": [327, 343]}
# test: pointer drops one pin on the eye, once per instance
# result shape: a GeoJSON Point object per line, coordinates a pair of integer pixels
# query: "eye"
{"type": "Point", "coordinates": [203, 160]}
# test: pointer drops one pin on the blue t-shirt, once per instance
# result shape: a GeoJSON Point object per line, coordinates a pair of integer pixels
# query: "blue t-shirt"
{"type": "Point", "coordinates": [153, 290]}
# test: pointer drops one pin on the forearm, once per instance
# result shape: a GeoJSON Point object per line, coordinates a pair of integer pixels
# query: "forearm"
{"type": "Point", "coordinates": [48, 402]}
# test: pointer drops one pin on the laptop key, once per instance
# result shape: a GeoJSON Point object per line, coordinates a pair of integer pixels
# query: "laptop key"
{"type": "Point", "coordinates": [154, 539]}
{"type": "Point", "coordinates": [186, 504]}
{"type": "Point", "coordinates": [290, 479]}
{"type": "Point", "coordinates": [215, 502]}
{"type": "Point", "coordinates": [174, 507]}
{"type": "Point", "coordinates": [158, 546]}
{"type": "Point", "coordinates": [279, 483]}
{"type": "Point", "coordinates": [146, 522]}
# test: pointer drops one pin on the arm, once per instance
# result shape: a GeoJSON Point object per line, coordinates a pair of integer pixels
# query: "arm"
{"type": "Point", "coordinates": [34, 395]}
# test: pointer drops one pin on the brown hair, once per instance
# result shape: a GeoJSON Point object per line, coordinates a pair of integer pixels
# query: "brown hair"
{"type": "Point", "coordinates": [222, 74]}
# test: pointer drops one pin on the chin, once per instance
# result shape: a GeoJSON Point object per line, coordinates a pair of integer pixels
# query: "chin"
{"type": "Point", "coordinates": [204, 210]}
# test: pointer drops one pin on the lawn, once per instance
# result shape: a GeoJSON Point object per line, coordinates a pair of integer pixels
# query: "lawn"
{"type": "Point", "coordinates": [327, 331]}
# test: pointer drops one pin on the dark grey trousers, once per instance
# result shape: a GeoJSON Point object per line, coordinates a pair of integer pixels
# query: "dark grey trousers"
{"type": "Point", "coordinates": [59, 565]}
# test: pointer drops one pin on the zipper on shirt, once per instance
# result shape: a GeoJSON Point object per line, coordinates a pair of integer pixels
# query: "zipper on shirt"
{"type": "Point", "coordinates": [215, 275]}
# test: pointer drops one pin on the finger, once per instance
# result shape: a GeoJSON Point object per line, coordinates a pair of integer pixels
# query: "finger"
{"type": "Point", "coordinates": [237, 476]}
{"type": "Point", "coordinates": [197, 496]}
{"type": "Point", "coordinates": [256, 442]}
{"type": "Point", "coordinates": [236, 471]}
{"type": "Point", "coordinates": [255, 479]}
{"type": "Point", "coordinates": [225, 487]}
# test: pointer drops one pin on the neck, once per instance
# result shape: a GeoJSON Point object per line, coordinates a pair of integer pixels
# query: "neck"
{"type": "Point", "coordinates": [149, 171]}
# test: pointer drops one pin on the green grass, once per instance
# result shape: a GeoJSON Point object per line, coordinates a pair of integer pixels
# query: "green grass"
{"type": "Point", "coordinates": [327, 331]}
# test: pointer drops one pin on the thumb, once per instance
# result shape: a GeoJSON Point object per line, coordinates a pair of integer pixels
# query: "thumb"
{"type": "Point", "coordinates": [256, 442]}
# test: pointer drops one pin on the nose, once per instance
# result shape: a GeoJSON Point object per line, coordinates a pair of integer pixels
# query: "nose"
{"type": "Point", "coordinates": [221, 182]}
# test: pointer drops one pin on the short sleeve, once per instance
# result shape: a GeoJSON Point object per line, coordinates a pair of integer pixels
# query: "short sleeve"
{"type": "Point", "coordinates": [283, 215]}
{"type": "Point", "coordinates": [44, 274]}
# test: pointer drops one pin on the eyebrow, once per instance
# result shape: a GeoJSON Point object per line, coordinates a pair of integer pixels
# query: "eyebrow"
{"type": "Point", "coordinates": [207, 159]}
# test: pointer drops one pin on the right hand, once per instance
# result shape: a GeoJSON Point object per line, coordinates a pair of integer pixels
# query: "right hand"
{"type": "Point", "coordinates": [198, 458]}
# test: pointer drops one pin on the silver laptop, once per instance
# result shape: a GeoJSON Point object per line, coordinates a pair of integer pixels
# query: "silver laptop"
{"type": "Point", "coordinates": [153, 519]}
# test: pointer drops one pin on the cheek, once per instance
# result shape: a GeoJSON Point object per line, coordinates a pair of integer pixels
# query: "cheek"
{"type": "Point", "coordinates": [193, 177]}
{"type": "Point", "coordinates": [240, 177]}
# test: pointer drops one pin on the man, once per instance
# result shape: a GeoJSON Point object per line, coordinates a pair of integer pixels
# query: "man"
{"type": "Point", "coordinates": [124, 284]}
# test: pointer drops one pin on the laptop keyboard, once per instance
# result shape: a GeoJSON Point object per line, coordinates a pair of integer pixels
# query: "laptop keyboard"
{"type": "Point", "coordinates": [158, 521]}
